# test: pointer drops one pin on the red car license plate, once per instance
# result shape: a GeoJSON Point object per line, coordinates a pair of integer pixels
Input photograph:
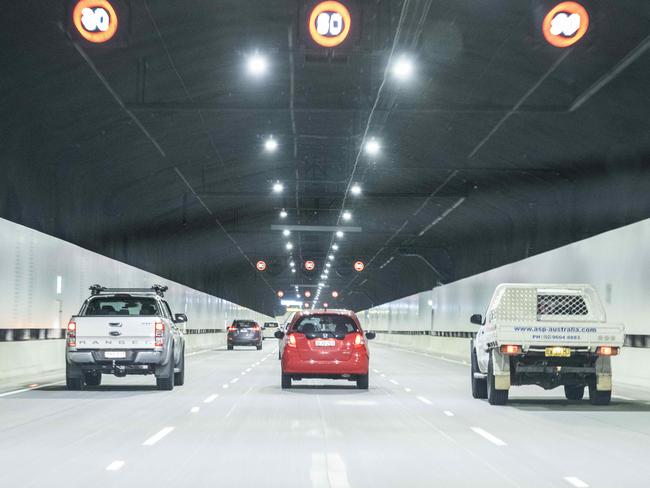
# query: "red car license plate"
{"type": "Point", "coordinates": [325, 343]}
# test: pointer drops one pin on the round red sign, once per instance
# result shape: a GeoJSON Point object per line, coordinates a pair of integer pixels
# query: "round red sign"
{"type": "Point", "coordinates": [310, 265]}
{"type": "Point", "coordinates": [359, 266]}
{"type": "Point", "coordinates": [95, 20]}
{"type": "Point", "coordinates": [565, 24]}
{"type": "Point", "coordinates": [329, 23]}
{"type": "Point", "coordinates": [261, 265]}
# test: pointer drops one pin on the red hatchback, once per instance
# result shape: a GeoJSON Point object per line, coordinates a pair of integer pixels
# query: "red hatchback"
{"type": "Point", "coordinates": [325, 344]}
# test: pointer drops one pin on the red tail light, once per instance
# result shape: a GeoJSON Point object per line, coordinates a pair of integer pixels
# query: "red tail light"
{"type": "Point", "coordinates": [292, 340]}
{"type": "Point", "coordinates": [232, 328]}
{"type": "Point", "coordinates": [358, 340]}
{"type": "Point", "coordinates": [607, 351]}
{"type": "Point", "coordinates": [159, 328]}
{"type": "Point", "coordinates": [72, 334]}
{"type": "Point", "coordinates": [510, 349]}
{"type": "Point", "coordinates": [256, 328]}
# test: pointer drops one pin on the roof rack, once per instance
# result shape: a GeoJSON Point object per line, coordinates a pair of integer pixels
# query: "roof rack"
{"type": "Point", "coordinates": [157, 289]}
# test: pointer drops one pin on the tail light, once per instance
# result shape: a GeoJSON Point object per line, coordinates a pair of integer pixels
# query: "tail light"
{"type": "Point", "coordinates": [232, 328]}
{"type": "Point", "coordinates": [256, 328]}
{"type": "Point", "coordinates": [607, 351]}
{"type": "Point", "coordinates": [159, 328]}
{"type": "Point", "coordinates": [358, 340]}
{"type": "Point", "coordinates": [72, 334]}
{"type": "Point", "coordinates": [292, 340]}
{"type": "Point", "coordinates": [510, 349]}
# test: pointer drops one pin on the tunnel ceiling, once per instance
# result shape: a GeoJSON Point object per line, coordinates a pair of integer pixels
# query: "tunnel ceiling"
{"type": "Point", "coordinates": [151, 150]}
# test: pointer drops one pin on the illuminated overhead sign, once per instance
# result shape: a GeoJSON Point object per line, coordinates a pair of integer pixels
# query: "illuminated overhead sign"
{"type": "Point", "coordinates": [359, 266]}
{"type": "Point", "coordinates": [329, 23]}
{"type": "Point", "coordinates": [95, 20]}
{"type": "Point", "coordinates": [260, 265]}
{"type": "Point", "coordinates": [310, 265]}
{"type": "Point", "coordinates": [565, 24]}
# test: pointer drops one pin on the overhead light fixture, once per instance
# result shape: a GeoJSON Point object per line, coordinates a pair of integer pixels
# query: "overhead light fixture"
{"type": "Point", "coordinates": [256, 64]}
{"type": "Point", "coordinates": [339, 234]}
{"type": "Point", "coordinates": [328, 264]}
{"type": "Point", "coordinates": [347, 215]}
{"type": "Point", "coordinates": [289, 246]}
{"type": "Point", "coordinates": [331, 257]}
{"type": "Point", "coordinates": [320, 285]}
{"type": "Point", "coordinates": [327, 271]}
{"type": "Point", "coordinates": [372, 147]}
{"type": "Point", "coordinates": [335, 247]}
{"type": "Point", "coordinates": [283, 214]}
{"type": "Point", "coordinates": [270, 144]}
{"type": "Point", "coordinates": [323, 276]}
{"type": "Point", "coordinates": [286, 232]}
{"type": "Point", "coordinates": [355, 189]}
{"type": "Point", "coordinates": [403, 68]}
{"type": "Point", "coordinates": [293, 270]}
{"type": "Point", "coordinates": [292, 264]}
{"type": "Point", "coordinates": [278, 187]}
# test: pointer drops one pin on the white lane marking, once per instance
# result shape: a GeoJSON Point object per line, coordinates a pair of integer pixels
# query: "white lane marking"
{"type": "Point", "coordinates": [492, 438]}
{"type": "Point", "coordinates": [318, 471]}
{"type": "Point", "coordinates": [115, 466]}
{"type": "Point", "coordinates": [234, 380]}
{"type": "Point", "coordinates": [264, 359]}
{"type": "Point", "coordinates": [408, 390]}
{"type": "Point", "coordinates": [394, 382]}
{"type": "Point", "coordinates": [224, 386]}
{"type": "Point", "coordinates": [35, 387]}
{"type": "Point", "coordinates": [621, 397]}
{"type": "Point", "coordinates": [424, 400]}
{"type": "Point", "coordinates": [383, 375]}
{"type": "Point", "coordinates": [248, 370]}
{"type": "Point", "coordinates": [337, 472]}
{"type": "Point", "coordinates": [243, 373]}
{"type": "Point", "coordinates": [211, 398]}
{"type": "Point", "coordinates": [375, 371]}
{"type": "Point", "coordinates": [577, 482]}
{"type": "Point", "coordinates": [356, 403]}
{"type": "Point", "coordinates": [156, 437]}
{"type": "Point", "coordinates": [448, 413]}
{"type": "Point", "coordinates": [195, 409]}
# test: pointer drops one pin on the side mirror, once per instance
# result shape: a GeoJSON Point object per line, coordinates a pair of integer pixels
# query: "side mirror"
{"type": "Point", "coordinates": [279, 334]}
{"type": "Point", "coordinates": [477, 319]}
{"type": "Point", "coordinates": [180, 318]}
{"type": "Point", "coordinates": [370, 335]}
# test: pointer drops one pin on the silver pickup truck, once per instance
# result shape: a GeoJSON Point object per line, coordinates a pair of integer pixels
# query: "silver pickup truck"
{"type": "Point", "coordinates": [124, 331]}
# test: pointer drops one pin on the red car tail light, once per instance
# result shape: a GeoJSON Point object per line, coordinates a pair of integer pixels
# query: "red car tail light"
{"type": "Point", "coordinates": [358, 340]}
{"type": "Point", "coordinates": [510, 349]}
{"type": "Point", "coordinates": [159, 328]}
{"type": "Point", "coordinates": [72, 334]}
{"type": "Point", "coordinates": [291, 340]}
{"type": "Point", "coordinates": [607, 351]}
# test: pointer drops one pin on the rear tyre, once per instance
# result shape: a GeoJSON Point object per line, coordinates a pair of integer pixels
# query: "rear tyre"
{"type": "Point", "coordinates": [179, 378]}
{"type": "Point", "coordinates": [494, 396]}
{"type": "Point", "coordinates": [479, 385]}
{"type": "Point", "coordinates": [286, 381]}
{"type": "Point", "coordinates": [259, 347]}
{"type": "Point", "coordinates": [93, 379]}
{"type": "Point", "coordinates": [230, 347]}
{"type": "Point", "coordinates": [599, 397]}
{"type": "Point", "coordinates": [363, 382]}
{"type": "Point", "coordinates": [574, 392]}
{"type": "Point", "coordinates": [73, 378]}
{"type": "Point", "coordinates": [166, 380]}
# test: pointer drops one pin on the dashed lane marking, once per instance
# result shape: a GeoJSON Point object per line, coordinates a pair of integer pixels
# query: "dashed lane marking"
{"type": "Point", "coordinates": [157, 437]}
{"type": "Point", "coordinates": [448, 413]}
{"type": "Point", "coordinates": [424, 400]}
{"type": "Point", "coordinates": [577, 482]}
{"type": "Point", "coordinates": [115, 466]}
{"type": "Point", "coordinates": [492, 438]}
{"type": "Point", "coordinates": [195, 409]}
{"type": "Point", "coordinates": [234, 380]}
{"type": "Point", "coordinates": [211, 398]}
{"type": "Point", "coordinates": [394, 382]}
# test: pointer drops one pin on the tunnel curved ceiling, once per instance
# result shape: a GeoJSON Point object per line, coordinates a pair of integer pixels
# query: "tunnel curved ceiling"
{"type": "Point", "coordinates": [152, 149]}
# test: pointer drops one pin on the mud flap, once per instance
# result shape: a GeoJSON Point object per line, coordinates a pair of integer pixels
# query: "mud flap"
{"type": "Point", "coordinates": [501, 368]}
{"type": "Point", "coordinates": [604, 373]}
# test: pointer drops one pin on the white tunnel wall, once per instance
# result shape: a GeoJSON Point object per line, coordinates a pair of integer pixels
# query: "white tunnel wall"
{"type": "Point", "coordinates": [616, 263]}
{"type": "Point", "coordinates": [44, 280]}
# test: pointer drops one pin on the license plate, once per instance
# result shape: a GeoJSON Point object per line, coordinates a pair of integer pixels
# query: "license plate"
{"type": "Point", "coordinates": [325, 343]}
{"type": "Point", "coordinates": [115, 354]}
{"type": "Point", "coordinates": [557, 352]}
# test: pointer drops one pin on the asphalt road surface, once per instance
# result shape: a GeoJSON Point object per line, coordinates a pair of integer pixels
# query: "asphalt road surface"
{"type": "Point", "coordinates": [232, 426]}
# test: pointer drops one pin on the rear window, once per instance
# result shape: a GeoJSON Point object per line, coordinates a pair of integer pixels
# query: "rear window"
{"type": "Point", "coordinates": [242, 324]}
{"type": "Point", "coordinates": [325, 325]}
{"type": "Point", "coordinates": [122, 306]}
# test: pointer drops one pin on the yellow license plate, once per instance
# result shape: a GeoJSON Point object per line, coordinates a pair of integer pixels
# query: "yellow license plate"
{"type": "Point", "coordinates": [557, 352]}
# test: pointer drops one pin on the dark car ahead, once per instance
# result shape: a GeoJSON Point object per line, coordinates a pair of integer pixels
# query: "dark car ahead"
{"type": "Point", "coordinates": [244, 333]}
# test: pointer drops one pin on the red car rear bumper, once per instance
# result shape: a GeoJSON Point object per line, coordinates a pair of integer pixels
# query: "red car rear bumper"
{"type": "Point", "coordinates": [293, 364]}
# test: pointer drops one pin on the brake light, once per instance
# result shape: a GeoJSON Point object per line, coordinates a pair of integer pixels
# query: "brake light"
{"type": "Point", "coordinates": [607, 351]}
{"type": "Point", "coordinates": [159, 328]}
{"type": "Point", "coordinates": [72, 334]}
{"type": "Point", "coordinates": [232, 328]}
{"type": "Point", "coordinates": [358, 340]}
{"type": "Point", "coordinates": [256, 328]}
{"type": "Point", "coordinates": [292, 340]}
{"type": "Point", "coordinates": [510, 349]}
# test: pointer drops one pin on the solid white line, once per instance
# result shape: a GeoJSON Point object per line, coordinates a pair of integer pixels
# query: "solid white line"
{"type": "Point", "coordinates": [448, 413]}
{"type": "Point", "coordinates": [211, 398]}
{"type": "Point", "coordinates": [577, 482]}
{"type": "Point", "coordinates": [394, 382]}
{"type": "Point", "coordinates": [115, 466]}
{"type": "Point", "coordinates": [224, 386]}
{"type": "Point", "coordinates": [408, 390]}
{"type": "Point", "coordinates": [621, 397]}
{"type": "Point", "coordinates": [336, 471]}
{"type": "Point", "coordinates": [234, 380]}
{"type": "Point", "coordinates": [492, 438]}
{"type": "Point", "coordinates": [195, 409]}
{"type": "Point", "coordinates": [22, 390]}
{"type": "Point", "coordinates": [156, 437]}
{"type": "Point", "coordinates": [424, 400]}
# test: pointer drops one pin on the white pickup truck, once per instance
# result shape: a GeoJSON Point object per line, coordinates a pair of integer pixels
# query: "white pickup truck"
{"type": "Point", "coordinates": [124, 331]}
{"type": "Point", "coordinates": [546, 335]}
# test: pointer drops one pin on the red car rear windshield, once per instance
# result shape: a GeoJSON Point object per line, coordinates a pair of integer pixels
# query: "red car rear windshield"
{"type": "Point", "coordinates": [243, 324]}
{"type": "Point", "coordinates": [322, 325]}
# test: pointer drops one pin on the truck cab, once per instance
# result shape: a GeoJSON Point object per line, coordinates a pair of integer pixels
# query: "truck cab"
{"type": "Point", "coordinates": [545, 335]}
{"type": "Point", "coordinates": [123, 331]}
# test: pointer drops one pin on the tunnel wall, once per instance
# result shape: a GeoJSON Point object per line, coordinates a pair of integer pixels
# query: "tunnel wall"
{"type": "Point", "coordinates": [616, 263]}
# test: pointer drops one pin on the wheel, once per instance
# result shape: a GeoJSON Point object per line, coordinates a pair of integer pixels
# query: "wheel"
{"type": "Point", "coordinates": [574, 392]}
{"type": "Point", "coordinates": [494, 396]}
{"type": "Point", "coordinates": [73, 378]}
{"type": "Point", "coordinates": [479, 385]}
{"type": "Point", "coordinates": [362, 382]}
{"type": "Point", "coordinates": [166, 379]}
{"type": "Point", "coordinates": [93, 379]}
{"type": "Point", "coordinates": [259, 347]}
{"type": "Point", "coordinates": [179, 378]}
{"type": "Point", "coordinates": [230, 347]}
{"type": "Point", "coordinates": [286, 381]}
{"type": "Point", "coordinates": [598, 397]}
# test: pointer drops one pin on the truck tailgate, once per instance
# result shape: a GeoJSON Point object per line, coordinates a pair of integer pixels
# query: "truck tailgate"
{"type": "Point", "coordinates": [561, 334]}
{"type": "Point", "coordinates": [115, 332]}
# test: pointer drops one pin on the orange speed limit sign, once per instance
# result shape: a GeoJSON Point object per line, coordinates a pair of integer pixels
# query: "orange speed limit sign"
{"type": "Point", "coordinates": [329, 23]}
{"type": "Point", "coordinates": [565, 24]}
{"type": "Point", "coordinates": [95, 20]}
{"type": "Point", "coordinates": [261, 265]}
{"type": "Point", "coordinates": [359, 266]}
